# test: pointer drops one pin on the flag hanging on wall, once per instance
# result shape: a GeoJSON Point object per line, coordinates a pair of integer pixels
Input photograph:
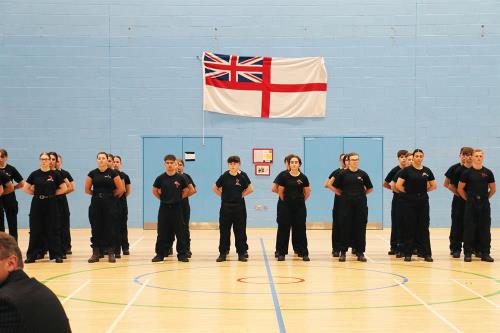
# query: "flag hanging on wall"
{"type": "Point", "coordinates": [263, 86]}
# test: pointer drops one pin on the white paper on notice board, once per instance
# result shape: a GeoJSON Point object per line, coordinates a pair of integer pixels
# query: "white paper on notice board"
{"type": "Point", "coordinates": [189, 156]}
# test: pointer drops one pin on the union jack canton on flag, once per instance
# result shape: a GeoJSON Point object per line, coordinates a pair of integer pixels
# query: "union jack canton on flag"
{"type": "Point", "coordinates": [263, 86]}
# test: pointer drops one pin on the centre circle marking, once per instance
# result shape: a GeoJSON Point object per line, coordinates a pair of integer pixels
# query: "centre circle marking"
{"type": "Point", "coordinates": [160, 306]}
{"type": "Point", "coordinates": [265, 280]}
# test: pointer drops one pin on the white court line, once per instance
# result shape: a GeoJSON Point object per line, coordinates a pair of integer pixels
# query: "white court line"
{"type": "Point", "coordinates": [136, 242]}
{"type": "Point", "coordinates": [75, 292]}
{"type": "Point", "coordinates": [370, 259]}
{"type": "Point", "coordinates": [477, 294]}
{"type": "Point", "coordinates": [443, 319]}
{"type": "Point", "coordinates": [129, 304]}
{"type": "Point", "coordinates": [385, 240]}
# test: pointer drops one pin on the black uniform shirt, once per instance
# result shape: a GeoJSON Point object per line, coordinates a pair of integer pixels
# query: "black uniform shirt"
{"type": "Point", "coordinates": [278, 177]}
{"type": "Point", "coordinates": [233, 186]}
{"type": "Point", "coordinates": [476, 181]}
{"type": "Point", "coordinates": [335, 173]}
{"type": "Point", "coordinates": [4, 179]}
{"type": "Point", "coordinates": [126, 179]}
{"type": "Point", "coordinates": [395, 180]}
{"type": "Point", "coordinates": [294, 186]}
{"type": "Point", "coordinates": [390, 176]}
{"type": "Point", "coordinates": [103, 182]}
{"type": "Point", "coordinates": [171, 187]}
{"type": "Point", "coordinates": [450, 173]}
{"type": "Point", "coordinates": [12, 172]}
{"type": "Point", "coordinates": [457, 174]}
{"type": "Point", "coordinates": [45, 182]}
{"type": "Point", "coordinates": [353, 182]}
{"type": "Point", "coordinates": [416, 180]}
{"type": "Point", "coordinates": [66, 175]}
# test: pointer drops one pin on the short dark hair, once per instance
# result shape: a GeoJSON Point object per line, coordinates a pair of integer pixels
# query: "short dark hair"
{"type": "Point", "coordinates": [466, 151]}
{"type": "Point", "coordinates": [169, 157]}
{"type": "Point", "coordinates": [3, 152]}
{"type": "Point", "coordinates": [9, 247]}
{"type": "Point", "coordinates": [352, 154]}
{"type": "Point", "coordinates": [118, 157]}
{"type": "Point", "coordinates": [111, 155]}
{"type": "Point", "coordinates": [402, 152]}
{"type": "Point", "coordinates": [418, 151]}
{"type": "Point", "coordinates": [53, 153]}
{"type": "Point", "coordinates": [102, 153]}
{"type": "Point", "coordinates": [409, 154]}
{"type": "Point", "coordinates": [233, 159]}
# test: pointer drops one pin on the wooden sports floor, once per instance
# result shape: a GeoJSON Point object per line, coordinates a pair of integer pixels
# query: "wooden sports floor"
{"type": "Point", "coordinates": [384, 294]}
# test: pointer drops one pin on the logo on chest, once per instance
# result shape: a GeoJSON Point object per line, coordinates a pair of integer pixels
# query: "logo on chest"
{"type": "Point", "coordinates": [50, 178]}
{"type": "Point", "coordinates": [177, 184]}
{"type": "Point", "coordinates": [425, 175]}
{"type": "Point", "coordinates": [360, 179]}
{"type": "Point", "coordinates": [299, 182]}
{"type": "Point", "coordinates": [237, 182]}
{"type": "Point", "coordinates": [107, 177]}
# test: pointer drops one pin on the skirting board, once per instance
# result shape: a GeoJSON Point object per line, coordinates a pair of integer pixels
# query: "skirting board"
{"type": "Point", "coordinates": [310, 226]}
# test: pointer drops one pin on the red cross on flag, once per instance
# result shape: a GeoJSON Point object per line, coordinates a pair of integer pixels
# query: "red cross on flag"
{"type": "Point", "coordinates": [264, 87]}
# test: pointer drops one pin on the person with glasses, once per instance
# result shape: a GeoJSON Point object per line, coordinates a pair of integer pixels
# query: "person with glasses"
{"type": "Point", "coordinates": [336, 206]}
{"type": "Point", "coordinates": [416, 181]}
{"type": "Point", "coordinates": [352, 186]}
{"type": "Point", "coordinates": [9, 201]}
{"type": "Point", "coordinates": [44, 185]}
{"type": "Point", "coordinates": [389, 179]}
{"type": "Point", "coordinates": [293, 190]}
{"type": "Point", "coordinates": [476, 187]}
{"type": "Point", "coordinates": [451, 180]}
{"type": "Point", "coordinates": [105, 187]}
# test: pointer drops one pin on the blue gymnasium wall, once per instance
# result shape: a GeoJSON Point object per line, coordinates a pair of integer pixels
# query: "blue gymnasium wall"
{"type": "Point", "coordinates": [80, 76]}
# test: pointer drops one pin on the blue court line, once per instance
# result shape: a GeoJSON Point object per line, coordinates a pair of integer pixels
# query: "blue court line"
{"type": "Point", "coordinates": [276, 302]}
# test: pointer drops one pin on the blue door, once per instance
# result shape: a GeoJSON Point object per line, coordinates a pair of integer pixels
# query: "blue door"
{"type": "Point", "coordinates": [207, 165]}
{"type": "Point", "coordinates": [320, 159]}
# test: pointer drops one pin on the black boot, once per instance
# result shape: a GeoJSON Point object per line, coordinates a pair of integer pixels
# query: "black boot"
{"type": "Point", "coordinates": [111, 255]}
{"type": "Point", "coordinates": [95, 256]}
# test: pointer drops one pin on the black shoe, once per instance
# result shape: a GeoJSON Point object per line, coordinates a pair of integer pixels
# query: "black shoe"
{"type": "Point", "coordinates": [69, 252]}
{"type": "Point", "coordinates": [221, 258]}
{"type": "Point", "coordinates": [276, 254]}
{"type": "Point", "coordinates": [118, 255]}
{"type": "Point", "coordinates": [157, 258]}
{"type": "Point", "coordinates": [399, 255]}
{"type": "Point", "coordinates": [189, 254]}
{"type": "Point", "coordinates": [126, 252]}
{"type": "Point", "coordinates": [456, 254]}
{"type": "Point", "coordinates": [111, 257]}
{"type": "Point", "coordinates": [64, 256]}
{"type": "Point", "coordinates": [183, 259]}
{"type": "Point", "coordinates": [407, 258]}
{"type": "Point", "coordinates": [342, 257]}
{"type": "Point", "coordinates": [391, 252]}
{"type": "Point", "coordinates": [305, 258]}
{"type": "Point", "coordinates": [246, 254]}
{"type": "Point", "coordinates": [361, 257]}
{"type": "Point", "coordinates": [467, 257]}
{"type": "Point", "coordinates": [336, 254]}
{"type": "Point", "coordinates": [29, 260]}
{"type": "Point", "coordinates": [281, 258]}
{"type": "Point", "coordinates": [242, 257]}
{"type": "Point", "coordinates": [428, 259]}
{"type": "Point", "coordinates": [487, 258]}
{"type": "Point", "coordinates": [59, 260]}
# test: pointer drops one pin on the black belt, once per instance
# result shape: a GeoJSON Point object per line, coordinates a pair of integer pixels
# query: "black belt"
{"type": "Point", "coordinates": [43, 197]}
{"type": "Point", "coordinates": [102, 195]}
{"type": "Point", "coordinates": [478, 197]}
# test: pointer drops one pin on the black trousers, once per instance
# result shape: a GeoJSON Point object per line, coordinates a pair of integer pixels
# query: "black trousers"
{"type": "Point", "coordinates": [186, 213]}
{"type": "Point", "coordinates": [477, 224]}
{"type": "Point", "coordinates": [233, 215]}
{"type": "Point", "coordinates": [64, 221]}
{"type": "Point", "coordinates": [457, 223]}
{"type": "Point", "coordinates": [335, 217]}
{"type": "Point", "coordinates": [104, 216]}
{"type": "Point", "coordinates": [415, 228]}
{"type": "Point", "coordinates": [170, 226]}
{"type": "Point", "coordinates": [352, 222]}
{"type": "Point", "coordinates": [122, 226]}
{"type": "Point", "coordinates": [44, 222]}
{"type": "Point", "coordinates": [294, 215]}
{"type": "Point", "coordinates": [279, 218]}
{"type": "Point", "coordinates": [11, 208]}
{"type": "Point", "coordinates": [397, 218]}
